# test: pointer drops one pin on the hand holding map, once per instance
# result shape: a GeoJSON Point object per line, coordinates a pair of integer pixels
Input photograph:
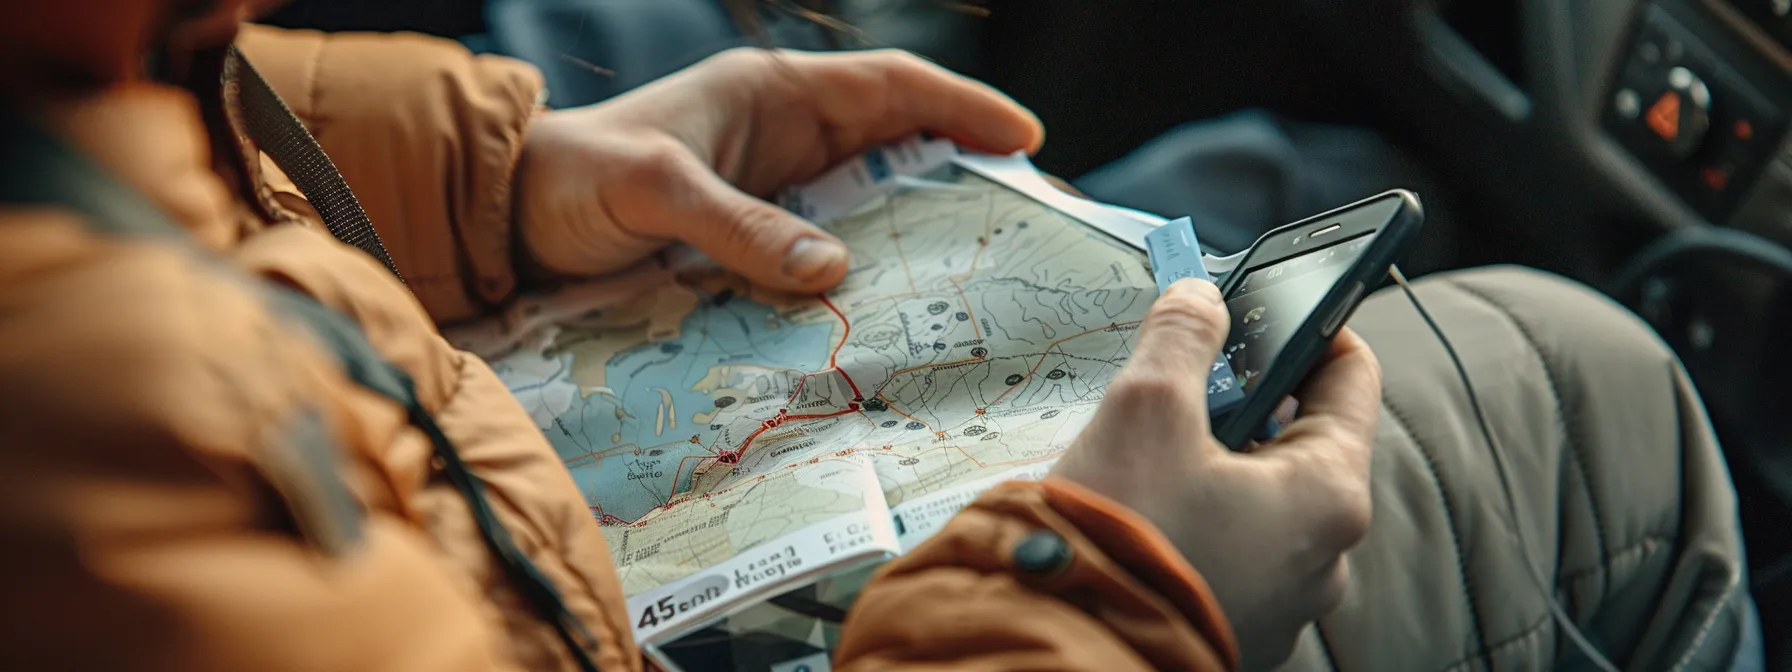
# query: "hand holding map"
{"type": "Point", "coordinates": [730, 439]}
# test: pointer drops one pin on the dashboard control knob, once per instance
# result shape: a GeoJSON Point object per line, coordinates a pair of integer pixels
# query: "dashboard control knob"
{"type": "Point", "coordinates": [1681, 115]}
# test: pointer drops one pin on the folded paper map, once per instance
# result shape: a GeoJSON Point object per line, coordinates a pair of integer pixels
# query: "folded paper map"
{"type": "Point", "coordinates": [731, 441]}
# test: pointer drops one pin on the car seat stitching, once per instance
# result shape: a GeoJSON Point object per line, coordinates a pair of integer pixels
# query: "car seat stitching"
{"type": "Point", "coordinates": [1571, 430]}
{"type": "Point", "coordinates": [1532, 630]}
{"type": "Point", "coordinates": [1735, 579]}
{"type": "Point", "coordinates": [1698, 641]}
{"type": "Point", "coordinates": [1443, 492]}
{"type": "Point", "coordinates": [1641, 545]}
{"type": "Point", "coordinates": [1645, 545]}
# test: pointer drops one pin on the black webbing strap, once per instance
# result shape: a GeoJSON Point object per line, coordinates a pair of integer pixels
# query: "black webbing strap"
{"type": "Point", "coordinates": [37, 168]}
{"type": "Point", "coordinates": [279, 133]}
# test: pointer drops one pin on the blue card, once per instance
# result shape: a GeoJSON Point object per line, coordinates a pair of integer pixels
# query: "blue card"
{"type": "Point", "coordinates": [1176, 254]}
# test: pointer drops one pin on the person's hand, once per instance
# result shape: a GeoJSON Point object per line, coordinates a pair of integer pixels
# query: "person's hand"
{"type": "Point", "coordinates": [1267, 529]}
{"type": "Point", "coordinates": [690, 157]}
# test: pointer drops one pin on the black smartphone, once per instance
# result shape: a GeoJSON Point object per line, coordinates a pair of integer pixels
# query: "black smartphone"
{"type": "Point", "coordinates": [1295, 288]}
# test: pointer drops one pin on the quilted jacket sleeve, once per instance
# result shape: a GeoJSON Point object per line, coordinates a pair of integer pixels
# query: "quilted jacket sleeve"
{"type": "Point", "coordinates": [427, 135]}
{"type": "Point", "coordinates": [1039, 576]}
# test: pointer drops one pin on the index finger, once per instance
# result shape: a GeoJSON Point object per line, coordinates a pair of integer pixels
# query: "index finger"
{"type": "Point", "coordinates": [1346, 384]}
{"type": "Point", "coordinates": [1340, 402]}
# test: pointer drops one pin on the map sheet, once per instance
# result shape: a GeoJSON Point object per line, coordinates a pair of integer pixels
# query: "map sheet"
{"type": "Point", "coordinates": [704, 418]}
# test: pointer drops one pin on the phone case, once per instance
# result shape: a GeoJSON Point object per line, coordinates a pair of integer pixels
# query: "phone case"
{"type": "Point", "coordinates": [1291, 366]}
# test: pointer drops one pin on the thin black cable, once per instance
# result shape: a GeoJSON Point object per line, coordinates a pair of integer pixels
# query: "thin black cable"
{"type": "Point", "coordinates": [1499, 464]}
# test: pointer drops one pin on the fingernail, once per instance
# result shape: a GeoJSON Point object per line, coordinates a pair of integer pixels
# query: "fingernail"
{"type": "Point", "coordinates": [1205, 289]}
{"type": "Point", "coordinates": [810, 258]}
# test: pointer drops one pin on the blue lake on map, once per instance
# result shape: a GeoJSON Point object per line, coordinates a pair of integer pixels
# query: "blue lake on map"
{"type": "Point", "coordinates": [646, 376]}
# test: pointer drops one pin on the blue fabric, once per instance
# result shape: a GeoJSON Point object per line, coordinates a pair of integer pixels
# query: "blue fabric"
{"type": "Point", "coordinates": [632, 41]}
{"type": "Point", "coordinates": [1751, 652]}
{"type": "Point", "coordinates": [1246, 173]}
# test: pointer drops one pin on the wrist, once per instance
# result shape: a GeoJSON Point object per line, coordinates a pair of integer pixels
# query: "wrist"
{"type": "Point", "coordinates": [531, 272]}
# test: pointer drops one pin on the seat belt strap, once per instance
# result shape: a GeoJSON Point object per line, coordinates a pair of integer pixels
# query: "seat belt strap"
{"type": "Point", "coordinates": [279, 133]}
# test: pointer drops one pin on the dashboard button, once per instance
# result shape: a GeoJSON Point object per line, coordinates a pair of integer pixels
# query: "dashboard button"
{"type": "Point", "coordinates": [1681, 116]}
{"type": "Point", "coordinates": [1628, 104]}
{"type": "Point", "coordinates": [1716, 178]}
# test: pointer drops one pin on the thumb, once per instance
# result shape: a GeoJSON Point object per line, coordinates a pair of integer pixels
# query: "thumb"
{"type": "Point", "coordinates": [765, 243]}
{"type": "Point", "coordinates": [1182, 334]}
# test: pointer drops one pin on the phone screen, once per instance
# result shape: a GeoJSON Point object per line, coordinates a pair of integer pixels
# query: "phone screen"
{"type": "Point", "coordinates": [1270, 303]}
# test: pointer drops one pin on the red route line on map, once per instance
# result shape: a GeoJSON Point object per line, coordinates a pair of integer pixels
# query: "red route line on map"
{"type": "Point", "coordinates": [798, 390]}
{"type": "Point", "coordinates": [853, 407]}
{"type": "Point", "coordinates": [833, 357]}
{"type": "Point", "coordinates": [680, 470]}
{"type": "Point", "coordinates": [734, 456]}
{"type": "Point", "coordinates": [846, 327]}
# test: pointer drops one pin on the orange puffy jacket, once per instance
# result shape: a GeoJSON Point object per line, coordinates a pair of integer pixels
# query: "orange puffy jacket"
{"type": "Point", "coordinates": [162, 502]}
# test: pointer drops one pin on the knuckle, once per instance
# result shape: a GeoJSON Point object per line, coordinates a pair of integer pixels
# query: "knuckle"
{"type": "Point", "coordinates": [1347, 517]}
{"type": "Point", "coordinates": [1371, 366]}
{"type": "Point", "coordinates": [1333, 587]}
{"type": "Point", "coordinates": [739, 59]}
{"type": "Point", "coordinates": [655, 165]}
{"type": "Point", "coordinates": [1144, 388]}
{"type": "Point", "coordinates": [897, 59]}
{"type": "Point", "coordinates": [750, 227]}
{"type": "Point", "coordinates": [897, 70]}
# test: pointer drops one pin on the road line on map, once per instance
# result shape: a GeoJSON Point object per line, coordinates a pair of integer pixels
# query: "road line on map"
{"type": "Point", "coordinates": [899, 411]}
{"type": "Point", "coordinates": [680, 470]}
{"type": "Point", "coordinates": [938, 365]}
{"type": "Point", "coordinates": [846, 327]}
{"type": "Point", "coordinates": [988, 222]}
{"type": "Point", "coordinates": [966, 301]}
{"type": "Point", "coordinates": [798, 390]}
{"type": "Point", "coordinates": [1048, 352]}
{"type": "Point", "coordinates": [895, 235]}
{"type": "Point", "coordinates": [854, 407]}
{"type": "Point", "coordinates": [783, 417]}
{"type": "Point", "coordinates": [737, 456]}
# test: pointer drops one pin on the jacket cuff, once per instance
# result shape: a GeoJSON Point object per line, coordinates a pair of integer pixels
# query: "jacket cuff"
{"type": "Point", "coordinates": [1061, 540]}
{"type": "Point", "coordinates": [1137, 545]}
{"type": "Point", "coordinates": [427, 135]}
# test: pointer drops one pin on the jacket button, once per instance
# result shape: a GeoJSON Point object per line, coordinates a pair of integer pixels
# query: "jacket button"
{"type": "Point", "coordinates": [1042, 552]}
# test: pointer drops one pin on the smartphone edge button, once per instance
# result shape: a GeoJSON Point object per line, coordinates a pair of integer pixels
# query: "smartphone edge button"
{"type": "Point", "coordinates": [1338, 314]}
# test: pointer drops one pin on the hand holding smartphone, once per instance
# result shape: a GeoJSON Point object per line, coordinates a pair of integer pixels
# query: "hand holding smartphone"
{"type": "Point", "coordinates": [1296, 286]}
